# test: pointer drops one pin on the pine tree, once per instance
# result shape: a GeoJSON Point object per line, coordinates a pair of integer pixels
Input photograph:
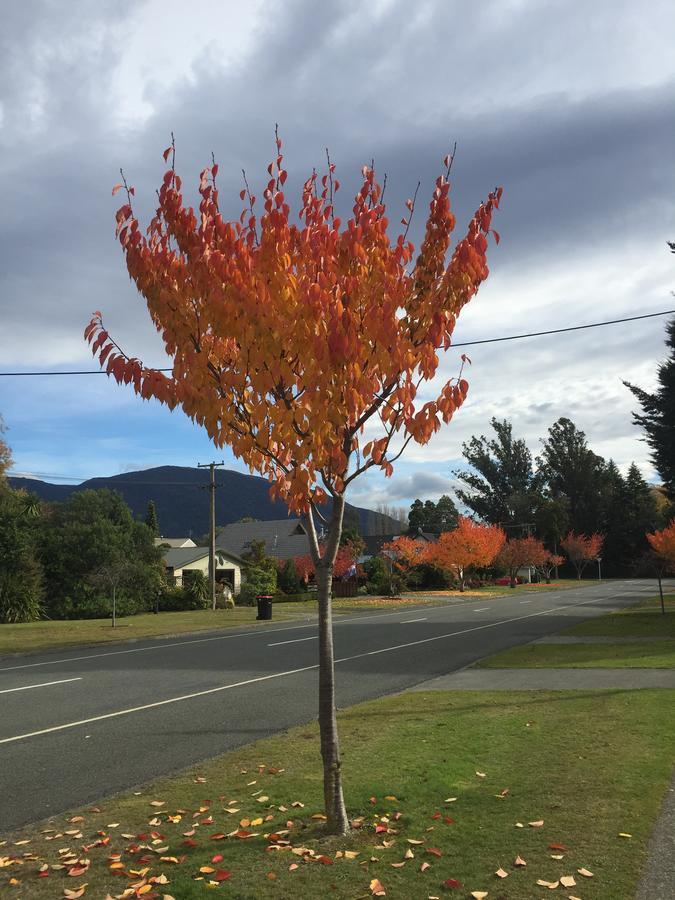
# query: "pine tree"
{"type": "Point", "coordinates": [658, 415]}
{"type": "Point", "coordinates": [151, 519]}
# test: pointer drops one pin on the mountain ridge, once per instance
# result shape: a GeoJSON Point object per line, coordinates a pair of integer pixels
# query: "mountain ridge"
{"type": "Point", "coordinates": [182, 503]}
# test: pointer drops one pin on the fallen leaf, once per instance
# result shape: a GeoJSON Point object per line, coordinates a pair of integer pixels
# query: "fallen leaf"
{"type": "Point", "coordinates": [222, 875]}
{"type": "Point", "coordinates": [558, 847]}
{"type": "Point", "coordinates": [568, 881]}
{"type": "Point", "coordinates": [536, 824]}
{"type": "Point", "coordinates": [519, 861]}
{"type": "Point", "coordinates": [481, 774]}
{"type": "Point", "coordinates": [425, 866]}
{"type": "Point", "coordinates": [376, 888]}
{"type": "Point", "coordinates": [500, 873]}
{"type": "Point", "coordinates": [450, 800]}
{"type": "Point", "coordinates": [452, 884]}
{"type": "Point", "coordinates": [76, 893]}
{"type": "Point", "coordinates": [624, 834]}
{"type": "Point", "coordinates": [557, 856]}
{"type": "Point", "coordinates": [479, 895]}
{"type": "Point", "coordinates": [153, 803]}
{"type": "Point", "coordinates": [433, 851]}
{"type": "Point", "coordinates": [551, 885]}
{"type": "Point", "coordinates": [413, 841]}
{"type": "Point", "coordinates": [585, 873]}
{"type": "Point", "coordinates": [409, 854]}
{"type": "Point", "coordinates": [293, 867]}
{"type": "Point", "coordinates": [398, 865]}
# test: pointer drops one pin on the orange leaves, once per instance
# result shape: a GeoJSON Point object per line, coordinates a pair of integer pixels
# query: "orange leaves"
{"type": "Point", "coordinates": [470, 544]}
{"type": "Point", "coordinates": [663, 543]}
{"type": "Point", "coordinates": [288, 339]}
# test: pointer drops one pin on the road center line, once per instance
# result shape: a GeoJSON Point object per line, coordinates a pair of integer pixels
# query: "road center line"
{"type": "Point", "coordinates": [29, 687]}
{"type": "Point", "coordinates": [526, 601]}
{"type": "Point", "coordinates": [227, 687]}
{"type": "Point", "coordinates": [314, 637]}
{"type": "Point", "coordinates": [481, 609]}
{"type": "Point", "coordinates": [408, 621]}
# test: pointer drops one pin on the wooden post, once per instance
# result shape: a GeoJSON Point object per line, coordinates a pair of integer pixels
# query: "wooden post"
{"type": "Point", "coordinates": [212, 527]}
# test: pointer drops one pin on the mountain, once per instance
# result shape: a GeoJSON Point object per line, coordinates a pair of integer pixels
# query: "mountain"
{"type": "Point", "coordinates": [182, 501]}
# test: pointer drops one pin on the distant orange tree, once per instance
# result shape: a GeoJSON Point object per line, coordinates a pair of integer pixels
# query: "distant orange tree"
{"type": "Point", "coordinates": [289, 338]}
{"type": "Point", "coordinates": [663, 550]}
{"type": "Point", "coordinates": [406, 552]}
{"type": "Point", "coordinates": [581, 549]}
{"type": "Point", "coordinates": [469, 546]}
{"type": "Point", "coordinates": [548, 563]}
{"type": "Point", "coordinates": [520, 552]}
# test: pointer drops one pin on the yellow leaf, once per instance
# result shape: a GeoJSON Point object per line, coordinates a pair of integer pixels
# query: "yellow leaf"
{"type": "Point", "coordinates": [450, 800]}
{"type": "Point", "coordinates": [568, 881]}
{"type": "Point", "coordinates": [413, 841]}
{"type": "Point", "coordinates": [377, 889]}
{"type": "Point", "coordinates": [425, 866]}
{"type": "Point", "coordinates": [479, 895]}
{"type": "Point", "coordinates": [481, 774]}
{"type": "Point", "coordinates": [557, 856]}
{"type": "Point", "coordinates": [76, 893]}
{"type": "Point", "coordinates": [519, 861]}
{"type": "Point", "coordinates": [551, 885]}
{"type": "Point", "coordinates": [500, 873]}
{"type": "Point", "coordinates": [624, 834]}
{"type": "Point", "coordinates": [537, 824]}
{"type": "Point", "coordinates": [409, 854]}
{"type": "Point", "coordinates": [256, 822]}
{"type": "Point", "coordinates": [585, 873]}
{"type": "Point", "coordinates": [207, 870]}
{"type": "Point", "coordinates": [157, 803]}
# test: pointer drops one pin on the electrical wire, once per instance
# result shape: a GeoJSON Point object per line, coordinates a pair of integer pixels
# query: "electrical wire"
{"type": "Point", "coordinates": [496, 340]}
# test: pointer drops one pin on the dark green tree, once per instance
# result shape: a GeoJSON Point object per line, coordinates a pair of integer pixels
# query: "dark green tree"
{"type": "Point", "coordinates": [21, 579]}
{"type": "Point", "coordinates": [288, 579]}
{"type": "Point", "coordinates": [432, 517]}
{"type": "Point", "coordinates": [89, 531]}
{"type": "Point", "coordinates": [151, 519]}
{"type": "Point", "coordinates": [500, 486]}
{"type": "Point", "coordinates": [569, 469]}
{"type": "Point", "coordinates": [658, 415]}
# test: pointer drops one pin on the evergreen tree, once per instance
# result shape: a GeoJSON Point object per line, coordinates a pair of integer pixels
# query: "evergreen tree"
{"type": "Point", "coordinates": [501, 488]}
{"type": "Point", "coordinates": [21, 580]}
{"type": "Point", "coordinates": [288, 579]}
{"type": "Point", "coordinates": [569, 469]}
{"type": "Point", "coordinates": [432, 517]}
{"type": "Point", "coordinates": [151, 519]}
{"type": "Point", "coordinates": [658, 415]}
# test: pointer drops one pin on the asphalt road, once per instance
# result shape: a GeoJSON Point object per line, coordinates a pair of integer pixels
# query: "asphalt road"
{"type": "Point", "coordinates": [77, 725]}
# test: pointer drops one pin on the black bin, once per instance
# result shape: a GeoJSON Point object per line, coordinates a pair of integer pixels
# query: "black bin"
{"type": "Point", "coordinates": [264, 602]}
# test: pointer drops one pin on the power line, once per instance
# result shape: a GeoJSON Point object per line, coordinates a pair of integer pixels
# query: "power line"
{"type": "Point", "coordinates": [510, 337]}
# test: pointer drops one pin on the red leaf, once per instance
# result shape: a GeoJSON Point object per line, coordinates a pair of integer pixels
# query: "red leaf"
{"type": "Point", "coordinates": [221, 875]}
{"type": "Point", "coordinates": [496, 236]}
{"type": "Point", "coordinates": [434, 851]}
{"type": "Point", "coordinates": [452, 884]}
{"type": "Point", "coordinates": [118, 187]}
{"type": "Point", "coordinates": [166, 153]}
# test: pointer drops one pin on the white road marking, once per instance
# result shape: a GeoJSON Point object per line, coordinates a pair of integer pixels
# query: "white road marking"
{"type": "Point", "coordinates": [29, 687]}
{"type": "Point", "coordinates": [408, 621]}
{"type": "Point", "coordinates": [315, 637]}
{"type": "Point", "coordinates": [526, 601]}
{"type": "Point", "coordinates": [481, 609]}
{"type": "Point", "coordinates": [221, 637]}
{"type": "Point", "coordinates": [227, 687]}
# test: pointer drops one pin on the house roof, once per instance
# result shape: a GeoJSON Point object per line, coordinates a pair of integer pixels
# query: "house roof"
{"type": "Point", "coordinates": [373, 542]}
{"type": "Point", "coordinates": [180, 557]}
{"type": "Point", "coordinates": [175, 542]}
{"type": "Point", "coordinates": [283, 538]}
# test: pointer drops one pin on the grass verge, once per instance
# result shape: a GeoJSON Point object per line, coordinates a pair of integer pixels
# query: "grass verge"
{"type": "Point", "coordinates": [643, 620]}
{"type": "Point", "coordinates": [506, 758]}
{"type": "Point", "coordinates": [640, 655]}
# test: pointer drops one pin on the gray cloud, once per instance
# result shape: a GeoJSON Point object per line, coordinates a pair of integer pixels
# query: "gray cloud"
{"type": "Point", "coordinates": [570, 109]}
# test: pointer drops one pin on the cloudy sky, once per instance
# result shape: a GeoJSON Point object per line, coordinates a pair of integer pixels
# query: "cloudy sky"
{"type": "Point", "coordinates": [568, 105]}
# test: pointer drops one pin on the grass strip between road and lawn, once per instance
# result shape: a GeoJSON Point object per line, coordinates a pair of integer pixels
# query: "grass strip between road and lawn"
{"type": "Point", "coordinates": [31, 637]}
{"type": "Point", "coordinates": [643, 620]}
{"type": "Point", "coordinates": [454, 786]}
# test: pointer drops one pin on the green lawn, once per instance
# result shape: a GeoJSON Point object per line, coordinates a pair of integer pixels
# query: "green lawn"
{"type": "Point", "coordinates": [44, 635]}
{"type": "Point", "coordinates": [634, 654]}
{"type": "Point", "coordinates": [544, 758]}
{"type": "Point", "coordinates": [643, 620]}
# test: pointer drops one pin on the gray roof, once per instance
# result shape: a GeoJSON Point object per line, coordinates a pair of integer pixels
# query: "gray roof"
{"type": "Point", "coordinates": [283, 538]}
{"type": "Point", "coordinates": [179, 557]}
{"type": "Point", "coordinates": [179, 542]}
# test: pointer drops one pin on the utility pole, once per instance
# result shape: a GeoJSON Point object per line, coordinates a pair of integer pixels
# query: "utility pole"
{"type": "Point", "coordinates": [212, 531]}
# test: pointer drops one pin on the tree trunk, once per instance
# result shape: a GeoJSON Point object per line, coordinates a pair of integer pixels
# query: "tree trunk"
{"type": "Point", "coordinates": [114, 606]}
{"type": "Point", "coordinates": [330, 745]}
{"type": "Point", "coordinates": [663, 606]}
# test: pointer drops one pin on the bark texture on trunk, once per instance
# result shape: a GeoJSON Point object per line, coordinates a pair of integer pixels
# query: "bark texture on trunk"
{"type": "Point", "coordinates": [336, 814]}
{"type": "Point", "coordinates": [330, 744]}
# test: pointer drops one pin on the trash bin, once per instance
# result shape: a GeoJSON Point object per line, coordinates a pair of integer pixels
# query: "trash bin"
{"type": "Point", "coordinates": [264, 602]}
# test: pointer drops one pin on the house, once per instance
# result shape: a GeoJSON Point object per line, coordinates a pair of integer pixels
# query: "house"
{"type": "Point", "coordinates": [284, 538]}
{"type": "Point", "coordinates": [182, 560]}
{"type": "Point", "coordinates": [174, 542]}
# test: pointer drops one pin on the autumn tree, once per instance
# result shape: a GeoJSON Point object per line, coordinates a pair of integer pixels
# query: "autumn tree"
{"type": "Point", "coordinates": [582, 549]}
{"type": "Point", "coordinates": [289, 339]}
{"type": "Point", "coordinates": [469, 546]}
{"type": "Point", "coordinates": [548, 563]}
{"type": "Point", "coordinates": [663, 547]}
{"type": "Point", "coordinates": [520, 552]}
